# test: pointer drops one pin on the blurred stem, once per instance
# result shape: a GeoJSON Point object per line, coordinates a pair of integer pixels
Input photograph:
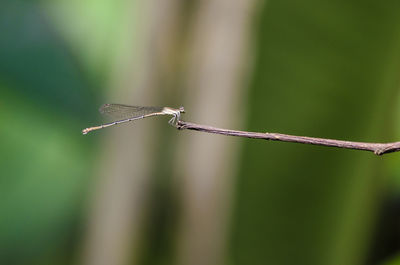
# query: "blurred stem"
{"type": "Point", "coordinates": [120, 206]}
{"type": "Point", "coordinates": [216, 70]}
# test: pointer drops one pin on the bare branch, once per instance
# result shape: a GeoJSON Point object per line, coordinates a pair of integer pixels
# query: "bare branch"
{"type": "Point", "coordinates": [376, 148]}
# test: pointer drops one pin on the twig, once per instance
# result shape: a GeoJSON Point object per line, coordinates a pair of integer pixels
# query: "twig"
{"type": "Point", "coordinates": [376, 148]}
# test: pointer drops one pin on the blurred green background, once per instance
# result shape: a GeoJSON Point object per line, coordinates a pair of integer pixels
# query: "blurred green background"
{"type": "Point", "coordinates": [326, 69]}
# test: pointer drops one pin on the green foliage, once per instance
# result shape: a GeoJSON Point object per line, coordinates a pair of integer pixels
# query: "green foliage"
{"type": "Point", "coordinates": [325, 69]}
{"type": "Point", "coordinates": [44, 161]}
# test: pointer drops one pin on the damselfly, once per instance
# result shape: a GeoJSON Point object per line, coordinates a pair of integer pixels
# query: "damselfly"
{"type": "Point", "coordinates": [127, 113]}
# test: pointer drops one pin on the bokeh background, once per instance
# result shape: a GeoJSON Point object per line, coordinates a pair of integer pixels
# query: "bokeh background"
{"type": "Point", "coordinates": [146, 193]}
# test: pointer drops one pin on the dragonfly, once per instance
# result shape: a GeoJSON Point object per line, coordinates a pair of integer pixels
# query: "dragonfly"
{"type": "Point", "coordinates": [126, 113]}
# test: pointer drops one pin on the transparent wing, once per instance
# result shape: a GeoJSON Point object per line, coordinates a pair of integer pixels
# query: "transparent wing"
{"type": "Point", "coordinates": [119, 111]}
